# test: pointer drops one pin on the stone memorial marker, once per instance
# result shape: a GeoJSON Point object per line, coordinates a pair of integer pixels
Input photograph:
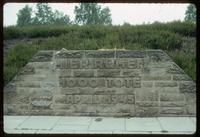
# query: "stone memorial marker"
{"type": "Point", "coordinates": [101, 83]}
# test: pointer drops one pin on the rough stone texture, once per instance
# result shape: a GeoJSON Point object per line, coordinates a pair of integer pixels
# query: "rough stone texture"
{"type": "Point", "coordinates": [43, 56]}
{"type": "Point", "coordinates": [101, 83]}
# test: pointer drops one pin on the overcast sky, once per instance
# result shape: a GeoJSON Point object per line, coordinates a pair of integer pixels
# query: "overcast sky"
{"type": "Point", "coordinates": [131, 13]}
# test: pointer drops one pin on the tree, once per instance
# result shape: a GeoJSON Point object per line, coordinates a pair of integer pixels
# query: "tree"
{"type": "Point", "coordinates": [24, 16]}
{"type": "Point", "coordinates": [91, 13]}
{"type": "Point", "coordinates": [43, 15]}
{"type": "Point", "coordinates": [190, 14]}
{"type": "Point", "coordinates": [60, 19]}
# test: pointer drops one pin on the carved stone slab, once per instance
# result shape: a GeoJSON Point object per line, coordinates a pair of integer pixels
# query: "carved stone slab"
{"type": "Point", "coordinates": [101, 83]}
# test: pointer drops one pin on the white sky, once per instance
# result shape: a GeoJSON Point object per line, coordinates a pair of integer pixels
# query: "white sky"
{"type": "Point", "coordinates": [131, 13]}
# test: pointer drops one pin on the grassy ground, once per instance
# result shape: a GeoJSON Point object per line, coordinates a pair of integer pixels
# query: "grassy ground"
{"type": "Point", "coordinates": [186, 56]}
{"type": "Point", "coordinates": [174, 38]}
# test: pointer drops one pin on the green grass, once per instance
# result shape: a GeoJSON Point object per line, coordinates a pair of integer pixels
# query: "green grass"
{"type": "Point", "coordinates": [180, 28]}
{"type": "Point", "coordinates": [169, 39]}
{"type": "Point", "coordinates": [186, 62]}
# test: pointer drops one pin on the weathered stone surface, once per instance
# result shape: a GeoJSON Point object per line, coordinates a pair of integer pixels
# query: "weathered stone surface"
{"type": "Point", "coordinates": [158, 55]}
{"type": "Point", "coordinates": [166, 84]}
{"type": "Point", "coordinates": [174, 69]}
{"type": "Point", "coordinates": [170, 90]}
{"type": "Point", "coordinates": [181, 77]}
{"type": "Point", "coordinates": [130, 54]}
{"type": "Point", "coordinates": [69, 54]}
{"type": "Point", "coordinates": [41, 65]}
{"type": "Point", "coordinates": [191, 109]}
{"type": "Point", "coordinates": [146, 111]}
{"type": "Point", "coordinates": [41, 104]}
{"type": "Point", "coordinates": [96, 99]}
{"type": "Point", "coordinates": [43, 56]}
{"type": "Point", "coordinates": [101, 83]}
{"type": "Point", "coordinates": [10, 87]}
{"type": "Point", "coordinates": [190, 97]}
{"type": "Point", "coordinates": [187, 87]}
{"type": "Point", "coordinates": [147, 103]}
{"type": "Point", "coordinates": [172, 104]}
{"type": "Point", "coordinates": [131, 73]}
{"type": "Point", "coordinates": [100, 54]}
{"type": "Point", "coordinates": [147, 84]}
{"type": "Point", "coordinates": [81, 82]}
{"type": "Point", "coordinates": [28, 70]}
{"type": "Point", "coordinates": [64, 73]}
{"type": "Point", "coordinates": [147, 95]}
{"type": "Point", "coordinates": [172, 110]}
{"type": "Point", "coordinates": [108, 73]}
{"type": "Point", "coordinates": [171, 97]}
{"type": "Point", "coordinates": [156, 77]}
{"type": "Point", "coordinates": [83, 73]}
{"type": "Point", "coordinates": [35, 84]}
{"type": "Point", "coordinates": [15, 98]}
{"type": "Point", "coordinates": [15, 109]}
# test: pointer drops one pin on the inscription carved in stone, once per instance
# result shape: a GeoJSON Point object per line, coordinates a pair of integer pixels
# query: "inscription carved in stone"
{"type": "Point", "coordinates": [101, 83]}
{"type": "Point", "coordinates": [98, 99]}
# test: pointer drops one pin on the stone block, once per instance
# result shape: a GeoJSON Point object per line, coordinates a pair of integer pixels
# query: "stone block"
{"type": "Point", "coordinates": [82, 108]}
{"type": "Point", "coordinates": [28, 70]}
{"type": "Point", "coordinates": [116, 108]}
{"type": "Point", "coordinates": [181, 77]}
{"type": "Point", "coordinates": [174, 69]}
{"type": "Point", "coordinates": [43, 112]}
{"type": "Point", "coordinates": [83, 73]}
{"type": "Point", "coordinates": [172, 110]}
{"type": "Point", "coordinates": [160, 71]}
{"type": "Point", "coordinates": [15, 98]}
{"type": "Point", "coordinates": [172, 97]}
{"type": "Point", "coordinates": [42, 65]}
{"type": "Point", "coordinates": [131, 73]}
{"type": "Point", "coordinates": [146, 95]}
{"type": "Point", "coordinates": [167, 90]}
{"type": "Point", "coordinates": [158, 55]}
{"type": "Point", "coordinates": [64, 72]}
{"type": "Point", "coordinates": [146, 77]}
{"type": "Point", "coordinates": [99, 54]}
{"type": "Point", "coordinates": [190, 97]}
{"type": "Point", "coordinates": [29, 78]}
{"type": "Point", "coordinates": [32, 84]}
{"type": "Point", "coordinates": [82, 82]}
{"type": "Point", "coordinates": [146, 111]}
{"type": "Point", "coordinates": [43, 56]}
{"type": "Point", "coordinates": [191, 109]}
{"type": "Point", "coordinates": [15, 109]}
{"type": "Point", "coordinates": [70, 91]}
{"type": "Point", "coordinates": [147, 103]}
{"type": "Point", "coordinates": [10, 87]}
{"type": "Point", "coordinates": [41, 104]}
{"type": "Point", "coordinates": [147, 84]}
{"type": "Point", "coordinates": [172, 104]}
{"type": "Point", "coordinates": [69, 54]}
{"type": "Point", "coordinates": [130, 54]}
{"type": "Point", "coordinates": [108, 73]}
{"type": "Point", "coordinates": [187, 87]}
{"type": "Point", "coordinates": [166, 84]}
{"type": "Point", "coordinates": [60, 107]}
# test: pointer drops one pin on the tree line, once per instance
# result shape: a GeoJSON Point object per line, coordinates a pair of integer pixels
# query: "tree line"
{"type": "Point", "coordinates": [85, 14]}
